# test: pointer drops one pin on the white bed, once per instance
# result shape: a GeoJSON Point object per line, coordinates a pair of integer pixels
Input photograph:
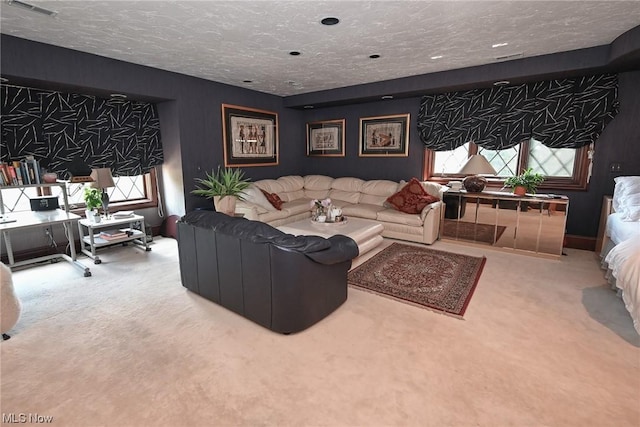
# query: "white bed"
{"type": "Point", "coordinates": [621, 251]}
{"type": "Point", "coordinates": [619, 230]}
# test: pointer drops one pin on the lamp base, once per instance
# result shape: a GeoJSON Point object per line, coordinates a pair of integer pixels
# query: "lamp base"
{"type": "Point", "coordinates": [105, 203]}
{"type": "Point", "coordinates": [474, 183]}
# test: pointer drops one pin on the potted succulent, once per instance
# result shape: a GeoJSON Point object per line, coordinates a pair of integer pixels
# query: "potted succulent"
{"type": "Point", "coordinates": [92, 201]}
{"type": "Point", "coordinates": [527, 182]}
{"type": "Point", "coordinates": [224, 187]}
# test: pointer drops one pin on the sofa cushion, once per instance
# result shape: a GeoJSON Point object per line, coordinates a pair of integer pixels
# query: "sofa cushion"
{"type": "Point", "coordinates": [376, 192]}
{"type": "Point", "coordinates": [273, 216]}
{"type": "Point", "coordinates": [274, 199]}
{"type": "Point", "coordinates": [347, 184]}
{"type": "Point", "coordinates": [392, 215]}
{"type": "Point", "coordinates": [412, 198]}
{"type": "Point", "coordinates": [317, 186]}
{"type": "Point", "coordinates": [292, 187]}
{"type": "Point", "coordinates": [253, 194]}
{"type": "Point", "coordinates": [298, 206]}
{"type": "Point", "coordinates": [380, 187]}
{"type": "Point", "coordinates": [362, 210]}
{"type": "Point", "coordinates": [270, 185]}
{"type": "Point", "coordinates": [344, 196]}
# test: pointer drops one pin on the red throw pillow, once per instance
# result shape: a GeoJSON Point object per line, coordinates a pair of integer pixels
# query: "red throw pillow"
{"type": "Point", "coordinates": [274, 199]}
{"type": "Point", "coordinates": [412, 198]}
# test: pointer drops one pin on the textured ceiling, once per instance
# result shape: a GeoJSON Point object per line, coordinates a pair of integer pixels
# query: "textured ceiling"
{"type": "Point", "coordinates": [233, 41]}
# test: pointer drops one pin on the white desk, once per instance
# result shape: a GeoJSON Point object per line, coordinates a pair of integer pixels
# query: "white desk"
{"type": "Point", "coordinates": [16, 221]}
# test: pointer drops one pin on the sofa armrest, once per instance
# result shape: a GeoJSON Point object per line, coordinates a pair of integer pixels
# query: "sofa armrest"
{"type": "Point", "coordinates": [248, 209]}
{"type": "Point", "coordinates": [342, 249]}
{"type": "Point", "coordinates": [427, 209]}
{"type": "Point", "coordinates": [431, 222]}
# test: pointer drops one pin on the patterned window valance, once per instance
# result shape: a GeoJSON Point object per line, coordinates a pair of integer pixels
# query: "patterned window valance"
{"type": "Point", "coordinates": [60, 129]}
{"type": "Point", "coordinates": [567, 113]}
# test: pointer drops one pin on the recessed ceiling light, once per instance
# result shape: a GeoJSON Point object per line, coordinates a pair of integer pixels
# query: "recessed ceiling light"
{"type": "Point", "coordinates": [436, 57]}
{"type": "Point", "coordinates": [374, 56]}
{"type": "Point", "coordinates": [387, 97]}
{"type": "Point", "coordinates": [308, 107]}
{"type": "Point", "coordinates": [330, 21]}
{"type": "Point", "coordinates": [499, 44]}
{"type": "Point", "coordinates": [294, 53]}
{"type": "Point", "coordinates": [501, 83]}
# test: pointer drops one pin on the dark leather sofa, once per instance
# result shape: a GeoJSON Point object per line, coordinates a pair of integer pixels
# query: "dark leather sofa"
{"type": "Point", "coordinates": [282, 282]}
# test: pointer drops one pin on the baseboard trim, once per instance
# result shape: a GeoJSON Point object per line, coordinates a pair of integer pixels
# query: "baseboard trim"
{"type": "Point", "coordinates": [580, 242]}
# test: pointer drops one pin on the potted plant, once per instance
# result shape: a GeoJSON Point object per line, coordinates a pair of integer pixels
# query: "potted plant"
{"type": "Point", "coordinates": [527, 182]}
{"type": "Point", "coordinates": [224, 187]}
{"type": "Point", "coordinates": [92, 201]}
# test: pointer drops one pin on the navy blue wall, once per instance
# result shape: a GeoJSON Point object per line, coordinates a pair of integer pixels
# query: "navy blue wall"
{"type": "Point", "coordinates": [192, 122]}
{"type": "Point", "coordinates": [393, 168]}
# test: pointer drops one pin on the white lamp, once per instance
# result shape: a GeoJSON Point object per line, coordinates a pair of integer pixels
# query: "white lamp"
{"type": "Point", "coordinates": [102, 179]}
{"type": "Point", "coordinates": [475, 167]}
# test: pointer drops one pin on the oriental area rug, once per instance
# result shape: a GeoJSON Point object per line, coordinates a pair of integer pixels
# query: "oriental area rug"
{"type": "Point", "coordinates": [428, 278]}
{"type": "Point", "coordinates": [475, 232]}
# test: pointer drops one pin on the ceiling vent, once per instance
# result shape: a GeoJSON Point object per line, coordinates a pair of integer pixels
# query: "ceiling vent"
{"type": "Point", "coordinates": [509, 57]}
{"type": "Point", "coordinates": [32, 8]}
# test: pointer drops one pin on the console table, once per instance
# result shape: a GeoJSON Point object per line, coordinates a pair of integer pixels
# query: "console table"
{"type": "Point", "coordinates": [532, 224]}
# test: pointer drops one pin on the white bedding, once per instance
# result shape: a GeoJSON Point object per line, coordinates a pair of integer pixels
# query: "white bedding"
{"type": "Point", "coordinates": [619, 230]}
{"type": "Point", "coordinates": [624, 263]}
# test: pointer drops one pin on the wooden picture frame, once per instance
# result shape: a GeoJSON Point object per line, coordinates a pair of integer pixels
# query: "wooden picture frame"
{"type": "Point", "coordinates": [250, 136]}
{"type": "Point", "coordinates": [326, 138]}
{"type": "Point", "coordinates": [384, 136]}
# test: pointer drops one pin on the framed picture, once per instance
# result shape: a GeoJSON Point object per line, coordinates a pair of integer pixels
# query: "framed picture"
{"type": "Point", "coordinates": [326, 138]}
{"type": "Point", "coordinates": [250, 136]}
{"type": "Point", "coordinates": [385, 136]}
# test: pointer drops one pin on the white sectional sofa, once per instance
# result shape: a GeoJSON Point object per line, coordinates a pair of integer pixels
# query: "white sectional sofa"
{"type": "Point", "coordinates": [356, 197]}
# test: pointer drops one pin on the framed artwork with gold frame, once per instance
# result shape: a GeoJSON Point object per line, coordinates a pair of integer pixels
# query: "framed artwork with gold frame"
{"type": "Point", "coordinates": [384, 136]}
{"type": "Point", "coordinates": [326, 138]}
{"type": "Point", "coordinates": [250, 136]}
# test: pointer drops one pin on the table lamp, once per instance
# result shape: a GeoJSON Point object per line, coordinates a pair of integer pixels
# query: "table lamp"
{"type": "Point", "coordinates": [475, 167]}
{"type": "Point", "coordinates": [102, 179]}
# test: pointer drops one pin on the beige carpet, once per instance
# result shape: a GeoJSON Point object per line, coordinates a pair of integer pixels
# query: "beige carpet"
{"type": "Point", "coordinates": [545, 343]}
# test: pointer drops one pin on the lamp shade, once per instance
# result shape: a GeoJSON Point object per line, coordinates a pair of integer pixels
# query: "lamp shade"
{"type": "Point", "coordinates": [102, 178]}
{"type": "Point", "coordinates": [477, 165]}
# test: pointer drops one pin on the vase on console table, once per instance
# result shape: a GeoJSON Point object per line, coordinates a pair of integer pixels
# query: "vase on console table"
{"type": "Point", "coordinates": [92, 215]}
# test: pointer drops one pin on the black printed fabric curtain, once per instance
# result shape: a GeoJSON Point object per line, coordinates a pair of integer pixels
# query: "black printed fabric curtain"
{"type": "Point", "coordinates": [62, 129]}
{"type": "Point", "coordinates": [567, 113]}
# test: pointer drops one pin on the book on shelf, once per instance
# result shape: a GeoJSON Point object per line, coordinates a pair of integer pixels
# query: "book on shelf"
{"type": "Point", "coordinates": [21, 172]}
{"type": "Point", "coordinates": [113, 234]}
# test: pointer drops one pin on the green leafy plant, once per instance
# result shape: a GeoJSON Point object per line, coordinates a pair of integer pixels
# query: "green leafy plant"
{"type": "Point", "coordinates": [528, 179]}
{"type": "Point", "coordinates": [222, 183]}
{"type": "Point", "coordinates": [92, 198]}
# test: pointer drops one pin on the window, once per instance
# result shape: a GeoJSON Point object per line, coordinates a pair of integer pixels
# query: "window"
{"type": "Point", "coordinates": [564, 168]}
{"type": "Point", "coordinates": [130, 192]}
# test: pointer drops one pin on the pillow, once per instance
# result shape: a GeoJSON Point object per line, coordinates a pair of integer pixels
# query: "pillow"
{"type": "Point", "coordinates": [254, 195]}
{"type": "Point", "coordinates": [625, 188]}
{"type": "Point", "coordinates": [630, 207]}
{"type": "Point", "coordinates": [412, 198]}
{"type": "Point", "coordinates": [274, 199]}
